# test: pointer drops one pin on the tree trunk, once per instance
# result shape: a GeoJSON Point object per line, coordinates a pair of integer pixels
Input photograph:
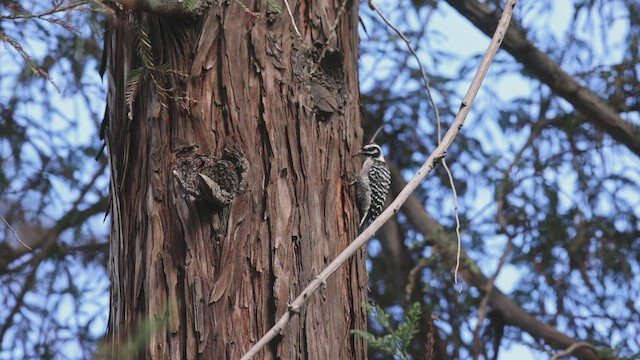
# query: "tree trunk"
{"type": "Point", "coordinates": [201, 266]}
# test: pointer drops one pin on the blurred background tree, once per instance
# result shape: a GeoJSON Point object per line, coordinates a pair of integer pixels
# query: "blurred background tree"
{"type": "Point", "coordinates": [547, 174]}
{"type": "Point", "coordinates": [53, 193]}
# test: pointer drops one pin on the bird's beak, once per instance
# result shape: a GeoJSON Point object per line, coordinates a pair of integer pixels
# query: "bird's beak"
{"type": "Point", "coordinates": [354, 155]}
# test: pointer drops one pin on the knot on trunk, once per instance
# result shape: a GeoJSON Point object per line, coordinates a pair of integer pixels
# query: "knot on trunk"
{"type": "Point", "coordinates": [216, 181]}
{"type": "Point", "coordinates": [226, 177]}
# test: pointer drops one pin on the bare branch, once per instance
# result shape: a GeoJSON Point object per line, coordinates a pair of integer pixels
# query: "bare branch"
{"type": "Point", "coordinates": [482, 309]}
{"type": "Point", "coordinates": [47, 237]}
{"type": "Point", "coordinates": [15, 233]}
{"type": "Point", "coordinates": [415, 274]}
{"type": "Point", "coordinates": [594, 109]}
{"type": "Point", "coordinates": [375, 134]}
{"type": "Point", "coordinates": [19, 298]}
{"type": "Point", "coordinates": [455, 209]}
{"type": "Point", "coordinates": [511, 312]}
{"type": "Point", "coordinates": [23, 14]}
{"type": "Point", "coordinates": [38, 71]}
{"type": "Point", "coordinates": [423, 74]}
{"type": "Point", "coordinates": [571, 349]}
{"type": "Point", "coordinates": [20, 13]}
{"type": "Point", "coordinates": [425, 79]}
{"type": "Point", "coordinates": [429, 165]}
{"type": "Point", "coordinates": [293, 20]}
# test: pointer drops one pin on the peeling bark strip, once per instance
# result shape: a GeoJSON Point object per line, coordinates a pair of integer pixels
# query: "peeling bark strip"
{"type": "Point", "coordinates": [228, 193]}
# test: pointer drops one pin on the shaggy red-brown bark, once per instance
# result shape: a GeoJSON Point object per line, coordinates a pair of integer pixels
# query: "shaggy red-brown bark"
{"type": "Point", "coordinates": [207, 280]}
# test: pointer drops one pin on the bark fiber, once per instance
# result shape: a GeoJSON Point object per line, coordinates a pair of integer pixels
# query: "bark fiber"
{"type": "Point", "coordinates": [191, 280]}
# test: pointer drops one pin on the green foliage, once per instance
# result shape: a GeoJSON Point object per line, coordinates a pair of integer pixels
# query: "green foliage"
{"type": "Point", "coordinates": [273, 7]}
{"type": "Point", "coordinates": [145, 54]}
{"type": "Point", "coordinates": [134, 345]}
{"type": "Point", "coordinates": [133, 83]}
{"type": "Point", "coordinates": [190, 4]}
{"type": "Point", "coordinates": [607, 353]}
{"type": "Point", "coordinates": [397, 339]}
{"type": "Point", "coordinates": [148, 70]}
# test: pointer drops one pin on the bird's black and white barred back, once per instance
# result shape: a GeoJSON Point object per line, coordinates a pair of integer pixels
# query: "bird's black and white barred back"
{"type": "Point", "coordinates": [373, 183]}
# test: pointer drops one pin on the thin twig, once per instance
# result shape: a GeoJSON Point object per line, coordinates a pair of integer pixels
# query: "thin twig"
{"type": "Point", "coordinates": [437, 155]}
{"type": "Point", "coordinates": [502, 222]}
{"type": "Point", "coordinates": [425, 79]}
{"type": "Point", "coordinates": [455, 209]}
{"type": "Point", "coordinates": [19, 298]}
{"type": "Point", "coordinates": [423, 73]}
{"type": "Point", "coordinates": [414, 277]}
{"type": "Point", "coordinates": [23, 14]}
{"type": "Point", "coordinates": [37, 70]}
{"type": "Point", "coordinates": [571, 349]}
{"type": "Point", "coordinates": [87, 187]}
{"type": "Point", "coordinates": [246, 9]}
{"type": "Point", "coordinates": [375, 134]}
{"type": "Point", "coordinates": [15, 233]}
{"type": "Point", "coordinates": [482, 309]}
{"type": "Point", "coordinates": [46, 238]}
{"type": "Point", "coordinates": [293, 21]}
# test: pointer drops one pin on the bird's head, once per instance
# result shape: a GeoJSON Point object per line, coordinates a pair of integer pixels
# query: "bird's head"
{"type": "Point", "coordinates": [372, 151]}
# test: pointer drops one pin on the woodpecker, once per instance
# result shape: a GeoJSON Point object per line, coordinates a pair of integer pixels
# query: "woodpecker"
{"type": "Point", "coordinates": [372, 183]}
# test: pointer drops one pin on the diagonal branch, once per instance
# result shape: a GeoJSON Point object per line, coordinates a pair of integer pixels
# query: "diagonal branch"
{"type": "Point", "coordinates": [45, 238]}
{"type": "Point", "coordinates": [19, 298]}
{"type": "Point", "coordinates": [438, 125]}
{"type": "Point", "coordinates": [511, 312]}
{"type": "Point", "coordinates": [594, 109]}
{"type": "Point", "coordinates": [571, 349]}
{"type": "Point", "coordinates": [437, 155]}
